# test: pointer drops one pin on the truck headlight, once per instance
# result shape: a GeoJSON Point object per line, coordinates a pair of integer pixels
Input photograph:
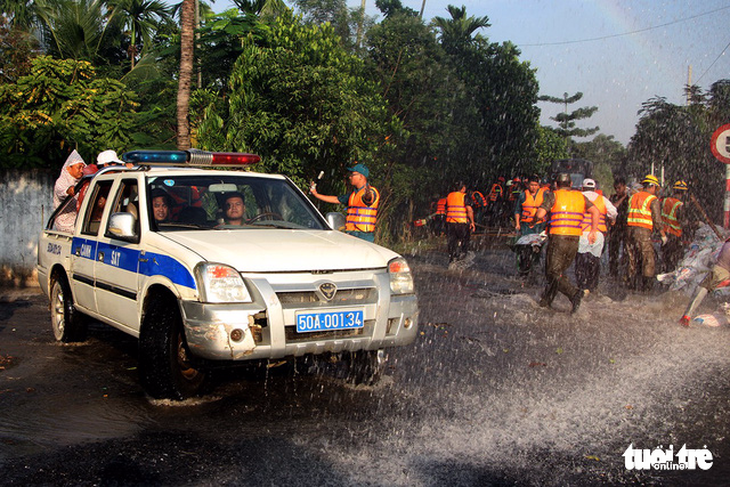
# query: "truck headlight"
{"type": "Point", "coordinates": [220, 283]}
{"type": "Point", "coordinates": [401, 279]}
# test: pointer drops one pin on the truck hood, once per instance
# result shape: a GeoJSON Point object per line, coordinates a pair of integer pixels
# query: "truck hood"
{"type": "Point", "coordinates": [277, 250]}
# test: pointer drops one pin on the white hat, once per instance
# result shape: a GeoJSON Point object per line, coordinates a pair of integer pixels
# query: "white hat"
{"type": "Point", "coordinates": [107, 157]}
{"type": "Point", "coordinates": [589, 183]}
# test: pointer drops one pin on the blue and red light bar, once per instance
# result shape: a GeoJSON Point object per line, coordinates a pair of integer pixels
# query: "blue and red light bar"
{"type": "Point", "coordinates": [192, 157]}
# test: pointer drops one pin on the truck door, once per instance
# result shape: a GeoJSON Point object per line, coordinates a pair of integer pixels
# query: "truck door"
{"type": "Point", "coordinates": [117, 262]}
{"type": "Point", "coordinates": [84, 247]}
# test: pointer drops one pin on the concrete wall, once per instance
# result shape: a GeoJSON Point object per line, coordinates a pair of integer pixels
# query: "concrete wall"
{"type": "Point", "coordinates": [26, 202]}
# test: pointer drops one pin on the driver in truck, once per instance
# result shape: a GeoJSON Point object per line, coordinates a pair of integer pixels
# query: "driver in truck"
{"type": "Point", "coordinates": [234, 209]}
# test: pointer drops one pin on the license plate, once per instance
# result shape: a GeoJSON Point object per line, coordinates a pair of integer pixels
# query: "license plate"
{"type": "Point", "coordinates": [329, 320]}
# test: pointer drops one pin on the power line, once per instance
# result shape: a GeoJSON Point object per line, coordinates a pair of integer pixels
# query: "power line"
{"type": "Point", "coordinates": [593, 39]}
{"type": "Point", "coordinates": [713, 63]}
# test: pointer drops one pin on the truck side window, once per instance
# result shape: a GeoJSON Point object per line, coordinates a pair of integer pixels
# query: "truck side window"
{"type": "Point", "coordinates": [127, 201]}
{"type": "Point", "coordinates": [95, 210]}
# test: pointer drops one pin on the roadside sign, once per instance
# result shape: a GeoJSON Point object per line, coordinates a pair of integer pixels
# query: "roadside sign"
{"type": "Point", "coordinates": [720, 144]}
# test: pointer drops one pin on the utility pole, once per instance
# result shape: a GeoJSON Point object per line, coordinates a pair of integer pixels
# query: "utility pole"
{"type": "Point", "coordinates": [360, 21]}
{"type": "Point", "coordinates": [423, 7]}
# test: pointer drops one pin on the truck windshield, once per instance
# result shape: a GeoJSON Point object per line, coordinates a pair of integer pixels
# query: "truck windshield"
{"type": "Point", "coordinates": [227, 202]}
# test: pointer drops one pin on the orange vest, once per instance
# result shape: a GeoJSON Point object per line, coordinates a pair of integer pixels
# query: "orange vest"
{"type": "Point", "coordinates": [669, 216]}
{"type": "Point", "coordinates": [496, 192]}
{"type": "Point", "coordinates": [478, 199]}
{"type": "Point", "coordinates": [361, 217]}
{"type": "Point", "coordinates": [455, 208]}
{"type": "Point", "coordinates": [601, 205]}
{"type": "Point", "coordinates": [566, 215]}
{"type": "Point", "coordinates": [441, 206]}
{"type": "Point", "coordinates": [531, 204]}
{"type": "Point", "coordinates": [640, 210]}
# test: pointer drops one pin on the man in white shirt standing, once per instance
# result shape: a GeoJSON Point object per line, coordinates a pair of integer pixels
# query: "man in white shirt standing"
{"type": "Point", "coordinates": [588, 259]}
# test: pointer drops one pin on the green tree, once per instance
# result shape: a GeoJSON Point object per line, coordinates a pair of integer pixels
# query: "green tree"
{"type": "Point", "coordinates": [17, 48]}
{"type": "Point", "coordinates": [61, 104]}
{"type": "Point", "coordinates": [140, 18]}
{"type": "Point", "coordinates": [566, 121]}
{"type": "Point", "coordinates": [458, 31]}
{"type": "Point", "coordinates": [302, 102]}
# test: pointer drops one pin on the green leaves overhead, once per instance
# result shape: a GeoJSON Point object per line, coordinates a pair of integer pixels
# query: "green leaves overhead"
{"type": "Point", "coordinates": [299, 100]}
{"type": "Point", "coordinates": [62, 105]}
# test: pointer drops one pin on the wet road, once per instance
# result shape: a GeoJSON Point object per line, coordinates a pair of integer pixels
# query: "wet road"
{"type": "Point", "coordinates": [496, 391]}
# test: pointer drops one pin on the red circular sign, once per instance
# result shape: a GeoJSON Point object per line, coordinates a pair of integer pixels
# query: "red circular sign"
{"type": "Point", "coordinates": [720, 144]}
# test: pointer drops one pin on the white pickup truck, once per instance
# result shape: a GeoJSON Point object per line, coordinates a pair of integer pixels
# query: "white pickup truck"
{"type": "Point", "coordinates": [157, 252]}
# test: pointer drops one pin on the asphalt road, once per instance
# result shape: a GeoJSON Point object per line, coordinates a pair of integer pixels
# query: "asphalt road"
{"type": "Point", "coordinates": [496, 391]}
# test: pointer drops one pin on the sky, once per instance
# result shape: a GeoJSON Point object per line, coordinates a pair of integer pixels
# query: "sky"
{"type": "Point", "coordinates": [618, 53]}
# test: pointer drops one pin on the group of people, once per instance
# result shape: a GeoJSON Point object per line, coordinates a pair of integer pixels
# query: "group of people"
{"type": "Point", "coordinates": [73, 170]}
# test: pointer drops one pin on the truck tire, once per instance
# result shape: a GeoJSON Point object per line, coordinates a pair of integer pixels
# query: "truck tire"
{"type": "Point", "coordinates": [165, 365]}
{"type": "Point", "coordinates": [366, 367]}
{"type": "Point", "coordinates": [68, 324]}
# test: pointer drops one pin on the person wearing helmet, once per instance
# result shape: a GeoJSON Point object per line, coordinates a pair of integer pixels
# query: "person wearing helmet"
{"type": "Point", "coordinates": [588, 260]}
{"type": "Point", "coordinates": [644, 217]}
{"type": "Point", "coordinates": [673, 220]}
{"type": "Point", "coordinates": [566, 208]}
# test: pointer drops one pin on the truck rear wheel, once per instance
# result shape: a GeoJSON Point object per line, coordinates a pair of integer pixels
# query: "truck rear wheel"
{"type": "Point", "coordinates": [68, 324]}
{"type": "Point", "coordinates": [167, 369]}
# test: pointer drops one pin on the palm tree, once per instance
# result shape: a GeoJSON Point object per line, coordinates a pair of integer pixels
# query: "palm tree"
{"type": "Point", "coordinates": [457, 31]}
{"type": "Point", "coordinates": [187, 44]}
{"type": "Point", "coordinates": [75, 28]}
{"type": "Point", "coordinates": [141, 17]}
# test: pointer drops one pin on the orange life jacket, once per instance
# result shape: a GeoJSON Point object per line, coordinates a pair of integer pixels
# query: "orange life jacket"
{"type": "Point", "coordinates": [478, 199]}
{"type": "Point", "coordinates": [455, 208]}
{"type": "Point", "coordinates": [361, 217]}
{"type": "Point", "coordinates": [669, 216]}
{"type": "Point", "coordinates": [496, 192]}
{"type": "Point", "coordinates": [640, 210]}
{"type": "Point", "coordinates": [587, 219]}
{"type": "Point", "coordinates": [531, 204]}
{"type": "Point", "coordinates": [441, 206]}
{"type": "Point", "coordinates": [566, 215]}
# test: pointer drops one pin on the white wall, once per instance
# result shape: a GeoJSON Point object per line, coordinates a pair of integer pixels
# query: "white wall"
{"type": "Point", "coordinates": [26, 202]}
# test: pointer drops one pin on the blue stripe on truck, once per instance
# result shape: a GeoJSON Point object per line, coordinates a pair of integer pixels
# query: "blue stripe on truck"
{"type": "Point", "coordinates": [149, 264]}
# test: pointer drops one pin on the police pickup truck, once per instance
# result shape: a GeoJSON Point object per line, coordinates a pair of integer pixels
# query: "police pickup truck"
{"type": "Point", "coordinates": [214, 267]}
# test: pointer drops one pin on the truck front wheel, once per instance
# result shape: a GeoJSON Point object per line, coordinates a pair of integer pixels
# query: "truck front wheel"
{"type": "Point", "coordinates": [167, 369]}
{"type": "Point", "coordinates": [68, 324]}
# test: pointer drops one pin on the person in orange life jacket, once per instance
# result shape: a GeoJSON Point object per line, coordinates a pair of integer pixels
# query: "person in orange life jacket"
{"type": "Point", "coordinates": [588, 260]}
{"type": "Point", "coordinates": [362, 203]}
{"type": "Point", "coordinates": [525, 209]}
{"type": "Point", "coordinates": [438, 222]}
{"type": "Point", "coordinates": [494, 200]}
{"type": "Point", "coordinates": [643, 218]}
{"type": "Point", "coordinates": [459, 222]}
{"type": "Point", "coordinates": [479, 205]}
{"type": "Point", "coordinates": [674, 221]}
{"type": "Point", "coordinates": [567, 209]}
{"type": "Point", "coordinates": [719, 276]}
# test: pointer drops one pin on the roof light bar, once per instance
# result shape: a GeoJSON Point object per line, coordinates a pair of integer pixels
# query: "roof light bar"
{"type": "Point", "coordinates": [192, 157]}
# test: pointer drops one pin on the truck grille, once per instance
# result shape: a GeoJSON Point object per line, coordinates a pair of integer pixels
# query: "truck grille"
{"type": "Point", "coordinates": [343, 297]}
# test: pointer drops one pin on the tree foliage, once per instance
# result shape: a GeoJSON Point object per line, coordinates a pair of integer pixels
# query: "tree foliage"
{"type": "Point", "coordinates": [567, 121]}
{"type": "Point", "coordinates": [302, 102]}
{"type": "Point", "coordinates": [60, 105]}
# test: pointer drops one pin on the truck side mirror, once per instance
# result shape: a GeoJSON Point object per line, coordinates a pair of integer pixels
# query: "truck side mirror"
{"type": "Point", "coordinates": [335, 220]}
{"type": "Point", "coordinates": [123, 226]}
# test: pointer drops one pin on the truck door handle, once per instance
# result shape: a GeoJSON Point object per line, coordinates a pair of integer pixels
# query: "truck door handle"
{"type": "Point", "coordinates": [100, 257]}
{"type": "Point", "coordinates": [77, 251]}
